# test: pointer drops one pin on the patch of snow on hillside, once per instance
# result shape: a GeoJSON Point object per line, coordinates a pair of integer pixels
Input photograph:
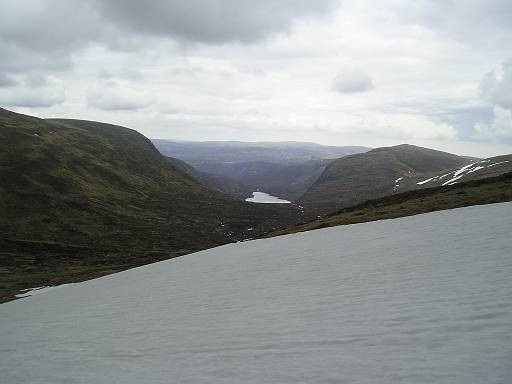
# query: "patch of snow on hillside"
{"type": "Point", "coordinates": [501, 162]}
{"type": "Point", "coordinates": [428, 180]}
{"type": "Point", "coordinates": [464, 168]}
{"type": "Point", "coordinates": [474, 169]}
{"type": "Point", "coordinates": [397, 183]}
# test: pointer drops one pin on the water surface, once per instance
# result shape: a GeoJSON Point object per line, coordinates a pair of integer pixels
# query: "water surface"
{"type": "Point", "coordinates": [262, 197]}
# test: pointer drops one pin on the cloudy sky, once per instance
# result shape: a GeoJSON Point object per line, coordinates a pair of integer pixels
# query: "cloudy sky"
{"type": "Point", "coordinates": [427, 72]}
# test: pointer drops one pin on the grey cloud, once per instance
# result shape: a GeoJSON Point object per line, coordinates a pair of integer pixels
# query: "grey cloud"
{"type": "Point", "coordinates": [42, 34]}
{"type": "Point", "coordinates": [30, 99]}
{"type": "Point", "coordinates": [18, 60]}
{"type": "Point", "coordinates": [352, 82]}
{"type": "Point", "coordinates": [496, 88]}
{"type": "Point", "coordinates": [63, 25]}
{"type": "Point", "coordinates": [48, 25]}
{"type": "Point", "coordinates": [214, 21]}
{"type": "Point", "coordinates": [36, 80]}
{"type": "Point", "coordinates": [124, 73]}
{"type": "Point", "coordinates": [112, 97]}
{"type": "Point", "coordinates": [7, 81]}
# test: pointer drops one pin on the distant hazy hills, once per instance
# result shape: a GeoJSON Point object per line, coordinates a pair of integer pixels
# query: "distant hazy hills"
{"type": "Point", "coordinates": [284, 169]}
{"type": "Point", "coordinates": [236, 151]}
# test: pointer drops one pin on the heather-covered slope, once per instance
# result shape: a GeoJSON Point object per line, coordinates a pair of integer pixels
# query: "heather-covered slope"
{"type": "Point", "coordinates": [80, 199]}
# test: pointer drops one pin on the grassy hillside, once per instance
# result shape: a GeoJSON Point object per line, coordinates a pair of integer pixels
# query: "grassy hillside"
{"type": "Point", "coordinates": [79, 199]}
{"type": "Point", "coordinates": [482, 191]}
{"type": "Point", "coordinates": [357, 178]}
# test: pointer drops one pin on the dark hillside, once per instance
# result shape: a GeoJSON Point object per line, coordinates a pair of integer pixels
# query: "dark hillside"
{"type": "Point", "coordinates": [357, 178]}
{"type": "Point", "coordinates": [81, 199]}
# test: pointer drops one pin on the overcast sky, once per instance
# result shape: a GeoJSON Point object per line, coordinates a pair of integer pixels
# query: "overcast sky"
{"type": "Point", "coordinates": [375, 73]}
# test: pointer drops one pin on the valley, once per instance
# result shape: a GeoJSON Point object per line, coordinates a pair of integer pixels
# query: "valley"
{"type": "Point", "coordinates": [82, 199]}
{"type": "Point", "coordinates": [283, 169]}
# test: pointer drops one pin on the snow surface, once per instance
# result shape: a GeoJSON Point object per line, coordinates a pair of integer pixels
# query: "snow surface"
{"type": "Point", "coordinates": [262, 197]}
{"type": "Point", "coordinates": [426, 181]}
{"type": "Point", "coordinates": [422, 299]}
{"type": "Point", "coordinates": [397, 183]}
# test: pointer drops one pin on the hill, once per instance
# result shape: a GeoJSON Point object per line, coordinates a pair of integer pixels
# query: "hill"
{"type": "Point", "coordinates": [474, 192]}
{"type": "Point", "coordinates": [412, 300]}
{"type": "Point", "coordinates": [283, 169]}
{"type": "Point", "coordinates": [472, 170]}
{"type": "Point", "coordinates": [353, 179]}
{"type": "Point", "coordinates": [81, 199]}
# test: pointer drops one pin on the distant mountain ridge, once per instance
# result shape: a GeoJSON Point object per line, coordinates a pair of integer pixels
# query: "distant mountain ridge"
{"type": "Point", "coordinates": [237, 151]}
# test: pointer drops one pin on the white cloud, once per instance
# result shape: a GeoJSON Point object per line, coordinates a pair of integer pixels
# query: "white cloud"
{"type": "Point", "coordinates": [407, 127]}
{"type": "Point", "coordinates": [7, 81]}
{"type": "Point", "coordinates": [218, 21]}
{"type": "Point", "coordinates": [496, 86]}
{"type": "Point", "coordinates": [25, 97]}
{"type": "Point", "coordinates": [499, 129]}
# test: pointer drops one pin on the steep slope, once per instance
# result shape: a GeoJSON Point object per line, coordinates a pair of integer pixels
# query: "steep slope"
{"type": "Point", "coordinates": [220, 183]}
{"type": "Point", "coordinates": [81, 199]}
{"type": "Point", "coordinates": [357, 178]}
{"type": "Point", "coordinates": [284, 169]}
{"type": "Point", "coordinates": [423, 299]}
